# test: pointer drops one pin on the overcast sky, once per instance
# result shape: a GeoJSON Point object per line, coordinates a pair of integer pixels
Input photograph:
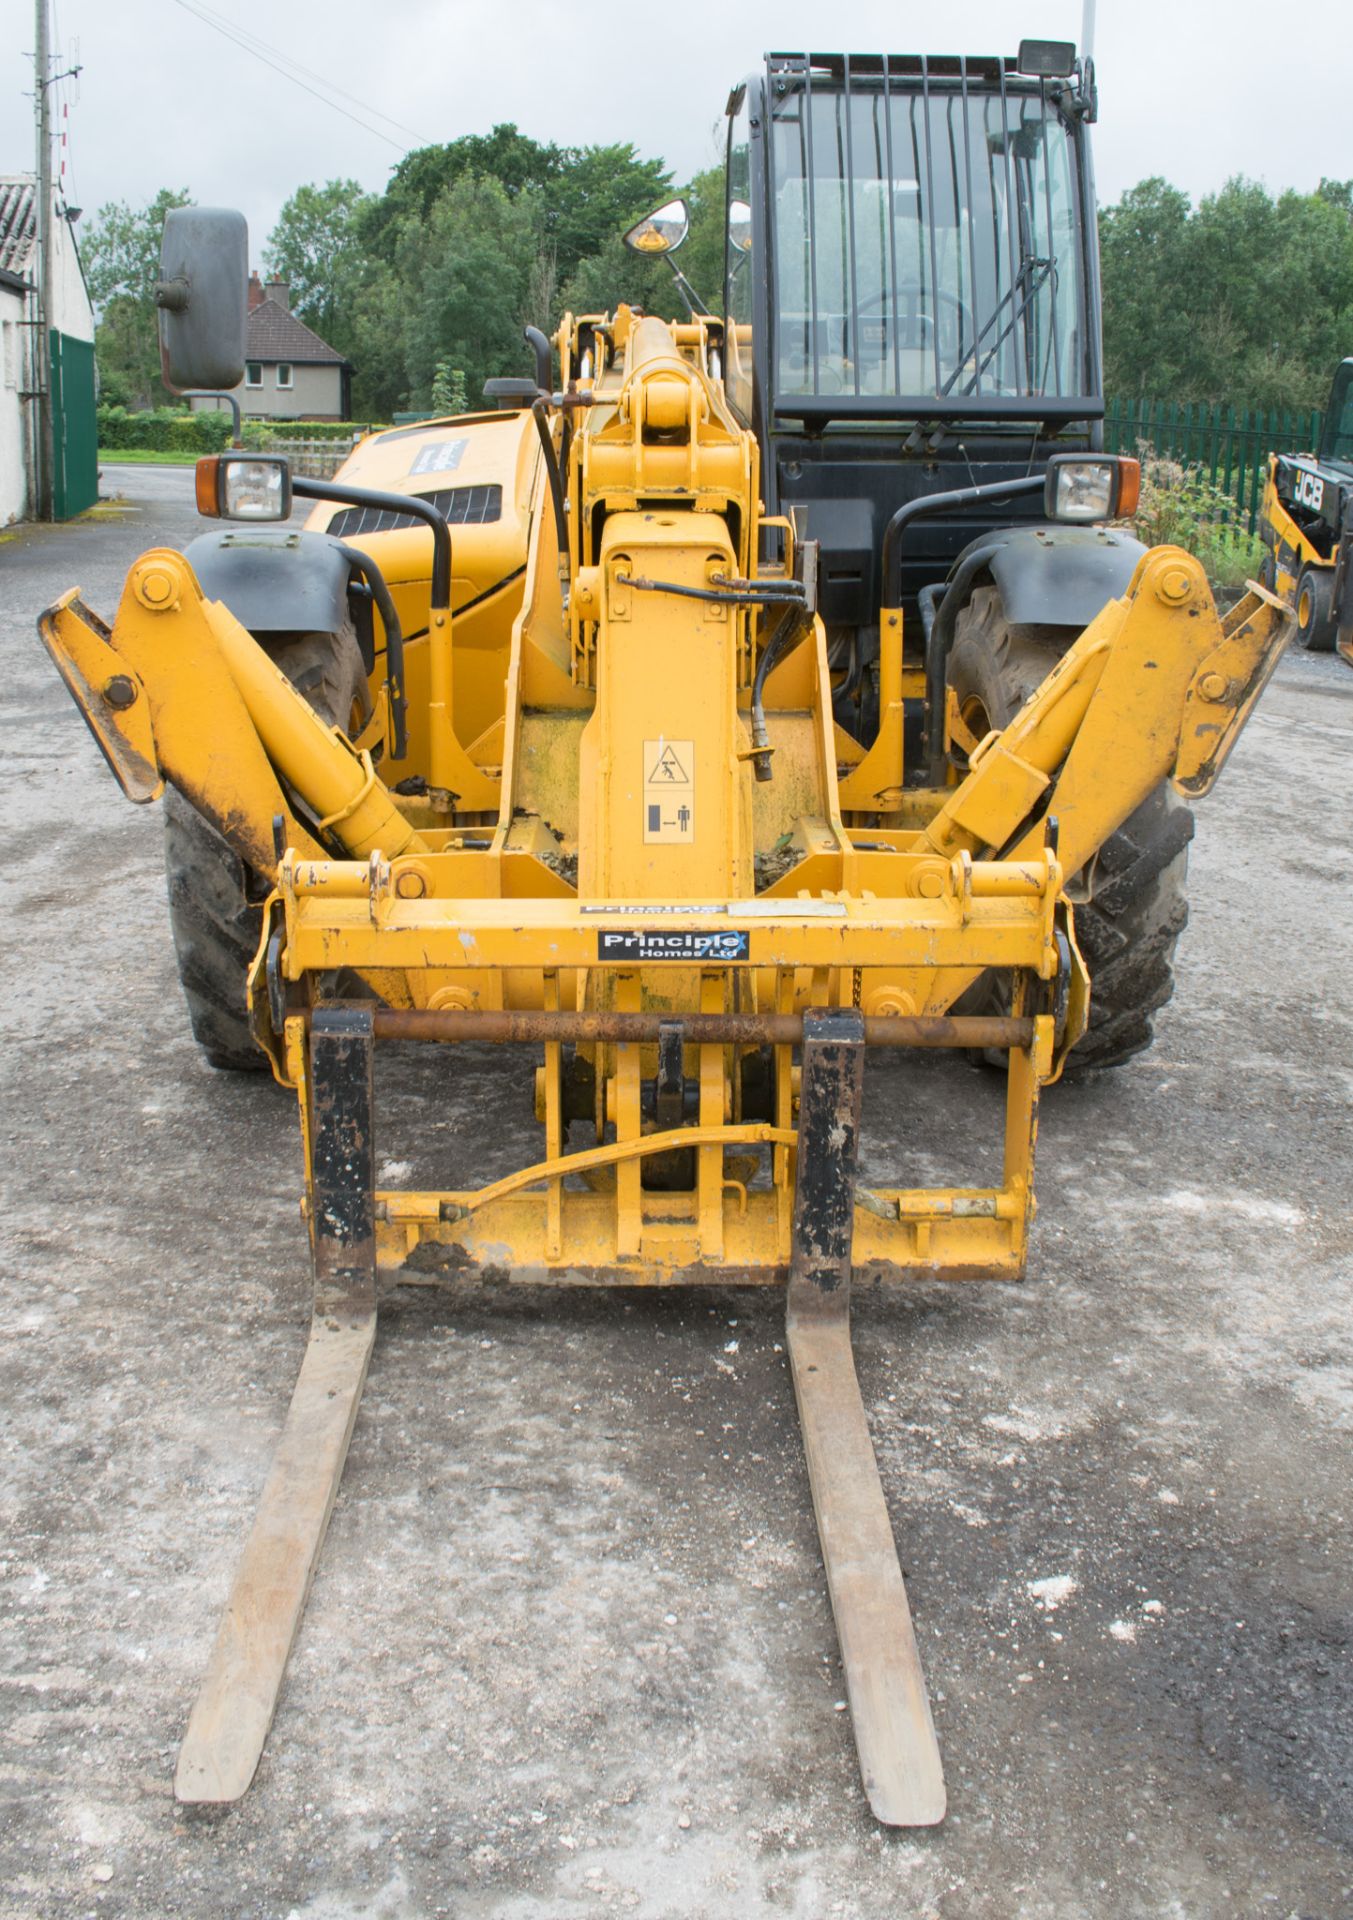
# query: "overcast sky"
{"type": "Point", "coordinates": [1193, 89]}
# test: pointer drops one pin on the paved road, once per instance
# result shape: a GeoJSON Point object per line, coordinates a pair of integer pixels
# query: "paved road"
{"type": "Point", "coordinates": [569, 1650]}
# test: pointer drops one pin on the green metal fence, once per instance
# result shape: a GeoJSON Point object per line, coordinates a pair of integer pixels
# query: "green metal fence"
{"type": "Point", "coordinates": [1229, 444]}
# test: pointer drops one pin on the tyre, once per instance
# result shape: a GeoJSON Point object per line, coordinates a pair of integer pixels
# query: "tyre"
{"type": "Point", "coordinates": [1315, 616]}
{"type": "Point", "coordinates": [1131, 902]}
{"type": "Point", "coordinates": [1268, 573]}
{"type": "Point", "coordinates": [215, 899]}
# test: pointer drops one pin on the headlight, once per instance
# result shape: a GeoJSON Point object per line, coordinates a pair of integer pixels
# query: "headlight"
{"type": "Point", "coordinates": [1081, 489]}
{"type": "Point", "coordinates": [239, 486]}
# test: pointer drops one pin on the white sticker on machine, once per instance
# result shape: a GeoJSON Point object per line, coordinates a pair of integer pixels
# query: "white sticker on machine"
{"type": "Point", "coordinates": [443, 456]}
{"type": "Point", "coordinates": [669, 792]}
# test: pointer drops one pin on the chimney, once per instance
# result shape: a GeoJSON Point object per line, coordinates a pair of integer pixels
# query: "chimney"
{"type": "Point", "coordinates": [255, 291]}
{"type": "Point", "coordinates": [279, 293]}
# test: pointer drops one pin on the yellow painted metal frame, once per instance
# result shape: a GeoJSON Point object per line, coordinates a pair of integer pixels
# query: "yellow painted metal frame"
{"type": "Point", "coordinates": [846, 887]}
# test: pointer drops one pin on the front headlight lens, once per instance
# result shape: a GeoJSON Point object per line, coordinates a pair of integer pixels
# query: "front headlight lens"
{"type": "Point", "coordinates": [1082, 490]}
{"type": "Point", "coordinates": [255, 489]}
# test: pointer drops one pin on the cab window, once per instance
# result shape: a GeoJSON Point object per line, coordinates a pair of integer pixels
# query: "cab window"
{"type": "Point", "coordinates": [738, 266]}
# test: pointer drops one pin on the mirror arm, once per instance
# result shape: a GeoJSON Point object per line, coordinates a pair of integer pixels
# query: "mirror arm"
{"type": "Point", "coordinates": [210, 393]}
{"type": "Point", "coordinates": [695, 306]}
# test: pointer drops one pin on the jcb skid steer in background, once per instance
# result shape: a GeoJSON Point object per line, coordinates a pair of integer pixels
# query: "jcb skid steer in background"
{"type": "Point", "coordinates": [671, 720]}
{"type": "Point", "coordinates": [1307, 525]}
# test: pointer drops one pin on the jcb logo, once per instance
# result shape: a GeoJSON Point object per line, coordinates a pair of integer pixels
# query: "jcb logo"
{"type": "Point", "coordinates": [1310, 491]}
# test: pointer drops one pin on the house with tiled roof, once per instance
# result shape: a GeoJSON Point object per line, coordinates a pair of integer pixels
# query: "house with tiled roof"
{"type": "Point", "coordinates": [289, 373]}
{"type": "Point", "coordinates": [75, 474]}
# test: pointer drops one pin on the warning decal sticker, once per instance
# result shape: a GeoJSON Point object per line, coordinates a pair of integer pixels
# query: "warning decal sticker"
{"type": "Point", "coordinates": [669, 792]}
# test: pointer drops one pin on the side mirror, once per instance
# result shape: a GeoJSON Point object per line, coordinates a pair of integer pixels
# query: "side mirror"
{"type": "Point", "coordinates": [202, 296]}
{"type": "Point", "coordinates": [740, 225]}
{"type": "Point", "coordinates": [662, 231]}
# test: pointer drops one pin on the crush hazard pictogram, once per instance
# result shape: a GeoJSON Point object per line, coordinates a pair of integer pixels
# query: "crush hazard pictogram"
{"type": "Point", "coordinates": [668, 770]}
{"type": "Point", "coordinates": [669, 792]}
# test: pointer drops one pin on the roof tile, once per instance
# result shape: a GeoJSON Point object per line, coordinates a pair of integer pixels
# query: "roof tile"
{"type": "Point", "coordinates": [274, 334]}
{"type": "Point", "coordinates": [17, 224]}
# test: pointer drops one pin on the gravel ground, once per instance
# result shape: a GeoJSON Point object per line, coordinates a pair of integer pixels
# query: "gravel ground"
{"type": "Point", "coordinates": [569, 1649]}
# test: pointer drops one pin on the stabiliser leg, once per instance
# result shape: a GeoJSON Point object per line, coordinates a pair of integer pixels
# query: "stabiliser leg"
{"type": "Point", "coordinates": [894, 1733]}
{"type": "Point", "coordinates": [230, 1720]}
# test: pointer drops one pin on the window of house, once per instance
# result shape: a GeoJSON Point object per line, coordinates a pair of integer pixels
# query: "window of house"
{"type": "Point", "coordinates": [284, 375]}
{"type": "Point", "coordinates": [253, 374]}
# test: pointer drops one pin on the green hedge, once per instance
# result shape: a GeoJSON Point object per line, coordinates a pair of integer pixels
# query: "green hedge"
{"type": "Point", "coordinates": [175, 430]}
{"type": "Point", "coordinates": [163, 430]}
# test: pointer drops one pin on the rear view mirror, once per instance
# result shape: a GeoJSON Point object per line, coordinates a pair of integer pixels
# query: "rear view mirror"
{"type": "Point", "coordinates": [203, 290]}
{"type": "Point", "coordinates": [740, 225]}
{"type": "Point", "coordinates": [660, 232]}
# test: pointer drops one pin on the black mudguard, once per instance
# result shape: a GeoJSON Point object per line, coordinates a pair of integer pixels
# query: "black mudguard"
{"type": "Point", "coordinates": [1056, 575]}
{"type": "Point", "coordinates": [274, 579]}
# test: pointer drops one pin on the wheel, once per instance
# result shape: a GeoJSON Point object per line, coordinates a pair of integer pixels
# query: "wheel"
{"type": "Point", "coordinates": [1315, 620]}
{"type": "Point", "coordinates": [1130, 902]}
{"type": "Point", "coordinates": [1268, 573]}
{"type": "Point", "coordinates": [215, 899]}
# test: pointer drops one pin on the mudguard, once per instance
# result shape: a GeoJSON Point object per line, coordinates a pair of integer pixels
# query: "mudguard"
{"type": "Point", "coordinates": [1058, 575]}
{"type": "Point", "coordinates": [274, 579]}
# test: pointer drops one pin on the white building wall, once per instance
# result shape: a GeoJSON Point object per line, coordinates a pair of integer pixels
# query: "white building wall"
{"type": "Point", "coordinates": [71, 311]}
{"type": "Point", "coordinates": [72, 315]}
{"type": "Point", "coordinates": [14, 449]}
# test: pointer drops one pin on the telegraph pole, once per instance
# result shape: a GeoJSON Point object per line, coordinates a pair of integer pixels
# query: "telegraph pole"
{"type": "Point", "coordinates": [42, 338]}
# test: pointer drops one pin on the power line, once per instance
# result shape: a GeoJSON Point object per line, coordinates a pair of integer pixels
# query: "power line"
{"type": "Point", "coordinates": [213, 17]}
{"type": "Point", "coordinates": [230, 33]}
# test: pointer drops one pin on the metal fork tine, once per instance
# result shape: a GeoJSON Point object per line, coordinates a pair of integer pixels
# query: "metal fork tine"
{"type": "Point", "coordinates": [894, 1733]}
{"type": "Point", "coordinates": [234, 1710]}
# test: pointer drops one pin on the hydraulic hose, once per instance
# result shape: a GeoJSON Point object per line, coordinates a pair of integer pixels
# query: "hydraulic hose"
{"type": "Point", "coordinates": [786, 627]}
{"type": "Point", "coordinates": [540, 413]}
{"type": "Point", "coordinates": [939, 643]}
{"type": "Point", "coordinates": [394, 644]}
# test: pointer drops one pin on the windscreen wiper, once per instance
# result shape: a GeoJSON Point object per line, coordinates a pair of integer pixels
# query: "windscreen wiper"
{"type": "Point", "coordinates": [1033, 276]}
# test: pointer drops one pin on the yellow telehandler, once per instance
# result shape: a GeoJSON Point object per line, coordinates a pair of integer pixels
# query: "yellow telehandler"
{"type": "Point", "coordinates": [731, 696]}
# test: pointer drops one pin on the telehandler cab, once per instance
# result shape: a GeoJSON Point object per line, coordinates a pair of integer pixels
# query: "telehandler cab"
{"type": "Point", "coordinates": [753, 690]}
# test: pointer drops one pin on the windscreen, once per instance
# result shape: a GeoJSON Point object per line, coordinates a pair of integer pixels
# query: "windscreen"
{"type": "Point", "coordinates": [927, 242]}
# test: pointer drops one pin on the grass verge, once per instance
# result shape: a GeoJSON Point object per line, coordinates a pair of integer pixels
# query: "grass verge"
{"type": "Point", "coordinates": [144, 457]}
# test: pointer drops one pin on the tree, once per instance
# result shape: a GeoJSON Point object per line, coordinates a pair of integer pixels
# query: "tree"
{"type": "Point", "coordinates": [595, 194]}
{"type": "Point", "coordinates": [1244, 300]}
{"type": "Point", "coordinates": [316, 248]}
{"type": "Point", "coordinates": [1141, 244]}
{"type": "Point", "coordinates": [448, 389]}
{"type": "Point", "coordinates": [511, 158]}
{"type": "Point", "coordinates": [121, 248]}
{"type": "Point", "coordinates": [465, 276]}
{"type": "Point", "coordinates": [120, 252]}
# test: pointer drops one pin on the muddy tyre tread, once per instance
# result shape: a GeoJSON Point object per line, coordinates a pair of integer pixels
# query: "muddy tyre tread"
{"type": "Point", "coordinates": [215, 900]}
